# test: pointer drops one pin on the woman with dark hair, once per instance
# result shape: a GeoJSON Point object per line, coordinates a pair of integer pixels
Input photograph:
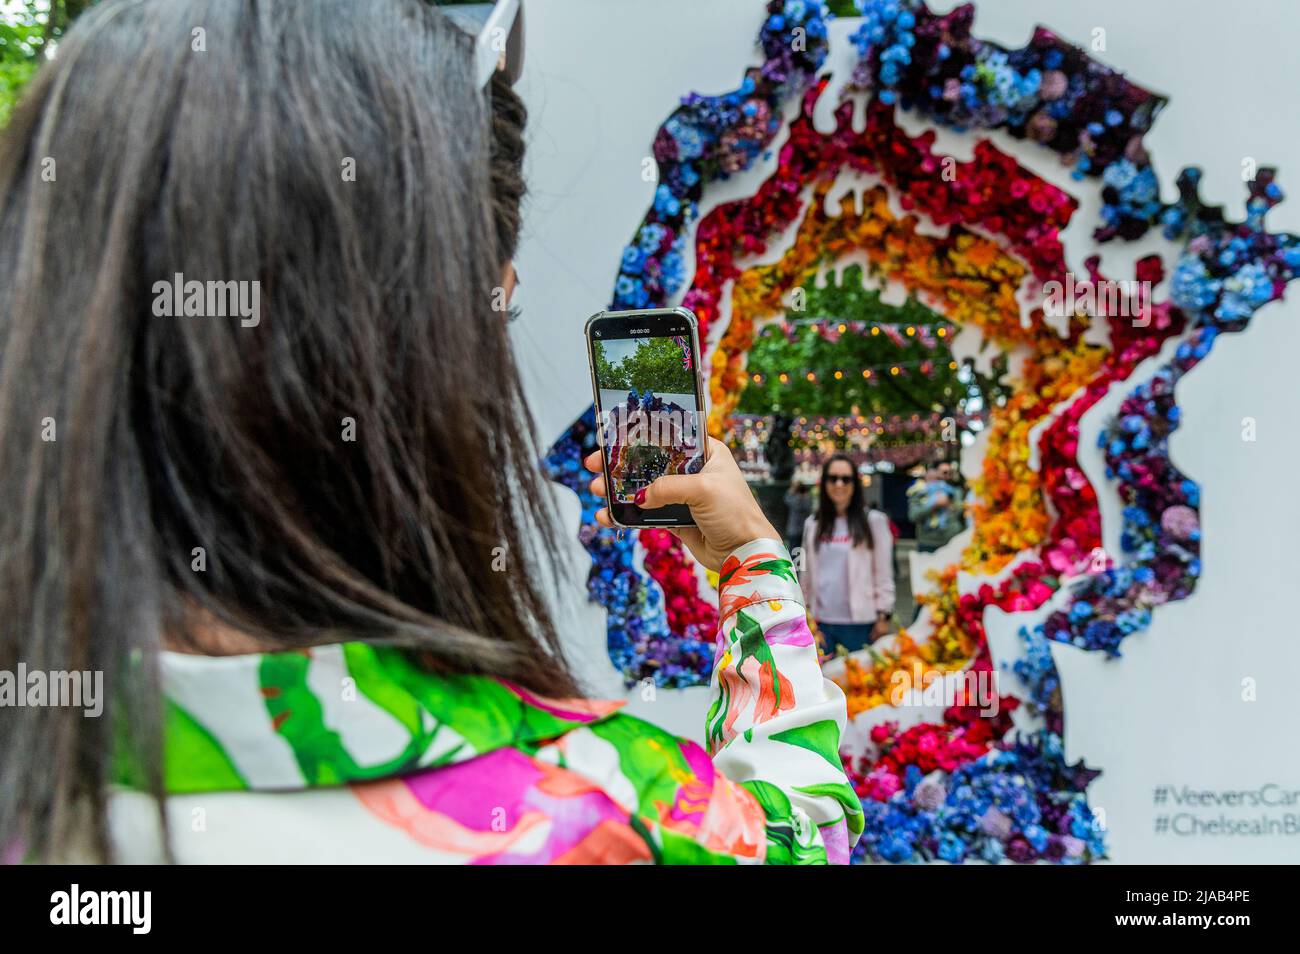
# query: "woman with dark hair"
{"type": "Point", "coordinates": [848, 557]}
{"type": "Point", "coordinates": [268, 474]}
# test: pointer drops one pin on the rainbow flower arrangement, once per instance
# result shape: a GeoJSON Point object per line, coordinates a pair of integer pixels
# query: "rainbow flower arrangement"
{"type": "Point", "coordinates": [965, 788]}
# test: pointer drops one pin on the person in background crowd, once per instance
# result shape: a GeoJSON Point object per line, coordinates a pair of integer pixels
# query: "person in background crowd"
{"type": "Point", "coordinates": [934, 504]}
{"type": "Point", "coordinates": [798, 504]}
{"type": "Point", "coordinates": [949, 473]}
{"type": "Point", "coordinates": [848, 576]}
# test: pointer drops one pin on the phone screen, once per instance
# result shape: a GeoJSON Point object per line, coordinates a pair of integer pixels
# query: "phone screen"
{"type": "Point", "coordinates": [645, 370]}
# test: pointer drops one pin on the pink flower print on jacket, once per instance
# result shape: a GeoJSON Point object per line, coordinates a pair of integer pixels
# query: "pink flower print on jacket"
{"type": "Point", "coordinates": [714, 810]}
{"type": "Point", "coordinates": [507, 808]}
{"type": "Point", "coordinates": [748, 678]}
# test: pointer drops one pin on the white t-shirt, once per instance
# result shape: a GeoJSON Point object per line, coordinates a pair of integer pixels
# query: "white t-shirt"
{"type": "Point", "coordinates": [833, 575]}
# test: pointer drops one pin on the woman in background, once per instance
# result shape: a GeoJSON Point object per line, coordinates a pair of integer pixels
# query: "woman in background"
{"type": "Point", "coordinates": [848, 551]}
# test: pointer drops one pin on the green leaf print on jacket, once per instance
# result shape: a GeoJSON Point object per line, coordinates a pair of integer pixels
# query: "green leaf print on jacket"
{"type": "Point", "coordinates": [820, 737]}
{"type": "Point", "coordinates": [298, 716]}
{"type": "Point", "coordinates": [486, 713]}
{"type": "Point", "coordinates": [754, 667]}
{"type": "Point", "coordinates": [791, 836]}
{"type": "Point", "coordinates": [192, 753]}
{"type": "Point", "coordinates": [843, 793]}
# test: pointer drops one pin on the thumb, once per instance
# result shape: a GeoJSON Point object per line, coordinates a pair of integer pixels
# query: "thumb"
{"type": "Point", "coordinates": [671, 489]}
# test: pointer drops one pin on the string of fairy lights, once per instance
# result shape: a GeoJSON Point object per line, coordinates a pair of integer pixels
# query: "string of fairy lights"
{"type": "Point", "coordinates": [871, 375]}
{"type": "Point", "coordinates": [822, 427]}
{"type": "Point", "coordinates": [926, 333]}
{"type": "Point", "coordinates": [929, 336]}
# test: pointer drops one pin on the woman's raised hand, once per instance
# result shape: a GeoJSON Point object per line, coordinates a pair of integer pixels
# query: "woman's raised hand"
{"type": "Point", "coordinates": [725, 512]}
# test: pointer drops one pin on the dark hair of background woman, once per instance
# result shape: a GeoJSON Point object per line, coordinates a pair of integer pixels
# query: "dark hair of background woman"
{"type": "Point", "coordinates": [377, 308]}
{"type": "Point", "coordinates": [855, 516]}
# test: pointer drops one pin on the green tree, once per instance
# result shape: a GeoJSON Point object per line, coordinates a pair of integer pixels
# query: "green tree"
{"type": "Point", "coordinates": [607, 375]}
{"type": "Point", "coordinates": [657, 366]}
{"type": "Point", "coordinates": [29, 31]}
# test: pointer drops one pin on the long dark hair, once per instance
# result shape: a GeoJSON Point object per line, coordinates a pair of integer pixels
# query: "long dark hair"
{"type": "Point", "coordinates": [359, 464]}
{"type": "Point", "coordinates": [855, 516]}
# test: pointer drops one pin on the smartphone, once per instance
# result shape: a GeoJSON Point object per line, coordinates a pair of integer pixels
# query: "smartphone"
{"type": "Point", "coordinates": [649, 388]}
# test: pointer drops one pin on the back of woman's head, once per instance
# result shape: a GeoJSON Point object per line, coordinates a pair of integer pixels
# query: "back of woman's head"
{"type": "Point", "coordinates": [346, 456]}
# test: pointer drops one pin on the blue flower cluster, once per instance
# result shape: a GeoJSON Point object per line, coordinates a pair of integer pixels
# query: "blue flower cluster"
{"type": "Point", "coordinates": [1132, 192]}
{"type": "Point", "coordinates": [1228, 271]}
{"type": "Point", "coordinates": [794, 44]}
{"type": "Point", "coordinates": [1048, 91]}
{"type": "Point", "coordinates": [886, 28]}
{"type": "Point", "coordinates": [1037, 670]}
{"type": "Point", "coordinates": [1020, 803]}
{"type": "Point", "coordinates": [647, 273]}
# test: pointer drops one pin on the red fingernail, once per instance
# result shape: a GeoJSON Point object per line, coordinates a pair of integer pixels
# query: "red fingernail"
{"type": "Point", "coordinates": [640, 497]}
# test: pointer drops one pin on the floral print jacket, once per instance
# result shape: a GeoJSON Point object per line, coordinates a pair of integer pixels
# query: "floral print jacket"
{"type": "Point", "coordinates": [351, 753]}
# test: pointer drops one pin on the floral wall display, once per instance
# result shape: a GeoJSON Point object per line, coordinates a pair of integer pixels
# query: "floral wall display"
{"type": "Point", "coordinates": [975, 241]}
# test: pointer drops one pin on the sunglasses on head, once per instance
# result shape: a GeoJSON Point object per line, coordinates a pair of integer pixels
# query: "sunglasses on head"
{"type": "Point", "coordinates": [498, 31]}
{"type": "Point", "coordinates": [839, 479]}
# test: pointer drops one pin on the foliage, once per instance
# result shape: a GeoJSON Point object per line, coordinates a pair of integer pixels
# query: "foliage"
{"type": "Point", "coordinates": [29, 31]}
{"type": "Point", "coordinates": [848, 300]}
{"type": "Point", "coordinates": [656, 366]}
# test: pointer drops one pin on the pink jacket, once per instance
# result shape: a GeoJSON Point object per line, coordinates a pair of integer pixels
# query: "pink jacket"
{"type": "Point", "coordinates": [871, 571]}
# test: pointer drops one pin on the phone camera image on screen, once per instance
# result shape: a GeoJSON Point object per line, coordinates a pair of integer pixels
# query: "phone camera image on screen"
{"type": "Point", "coordinates": [649, 411]}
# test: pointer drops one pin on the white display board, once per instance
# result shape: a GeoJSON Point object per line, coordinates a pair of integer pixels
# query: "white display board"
{"type": "Point", "coordinates": [1201, 705]}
